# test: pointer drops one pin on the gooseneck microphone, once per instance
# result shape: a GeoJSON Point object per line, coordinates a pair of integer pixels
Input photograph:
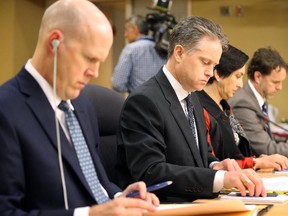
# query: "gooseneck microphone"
{"type": "Point", "coordinates": [266, 119]}
{"type": "Point", "coordinates": [55, 44]}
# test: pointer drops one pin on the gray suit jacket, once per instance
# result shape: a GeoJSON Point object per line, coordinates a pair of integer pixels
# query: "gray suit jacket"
{"type": "Point", "coordinates": [245, 107]}
{"type": "Point", "coordinates": [156, 144]}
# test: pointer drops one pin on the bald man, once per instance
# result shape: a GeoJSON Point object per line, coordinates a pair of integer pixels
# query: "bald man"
{"type": "Point", "coordinates": [30, 182]}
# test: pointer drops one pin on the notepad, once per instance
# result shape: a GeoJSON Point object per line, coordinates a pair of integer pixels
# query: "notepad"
{"type": "Point", "coordinates": [248, 199]}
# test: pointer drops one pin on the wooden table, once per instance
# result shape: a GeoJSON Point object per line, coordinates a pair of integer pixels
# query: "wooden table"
{"type": "Point", "coordinates": [277, 209]}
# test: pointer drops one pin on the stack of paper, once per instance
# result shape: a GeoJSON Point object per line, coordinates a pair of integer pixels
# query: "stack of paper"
{"type": "Point", "coordinates": [252, 199]}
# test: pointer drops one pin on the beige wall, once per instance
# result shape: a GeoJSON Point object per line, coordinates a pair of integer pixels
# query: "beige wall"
{"type": "Point", "coordinates": [7, 39]}
{"type": "Point", "coordinates": [19, 23]}
{"type": "Point", "coordinates": [263, 23]}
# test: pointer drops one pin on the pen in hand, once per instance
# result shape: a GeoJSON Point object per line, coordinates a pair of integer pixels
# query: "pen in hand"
{"type": "Point", "coordinates": [151, 188]}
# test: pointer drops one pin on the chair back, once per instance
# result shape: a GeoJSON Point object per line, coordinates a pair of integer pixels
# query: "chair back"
{"type": "Point", "coordinates": [108, 105]}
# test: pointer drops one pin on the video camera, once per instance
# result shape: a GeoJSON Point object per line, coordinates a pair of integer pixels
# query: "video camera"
{"type": "Point", "coordinates": [161, 24]}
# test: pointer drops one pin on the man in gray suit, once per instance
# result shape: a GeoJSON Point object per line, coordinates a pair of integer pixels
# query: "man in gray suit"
{"type": "Point", "coordinates": [266, 72]}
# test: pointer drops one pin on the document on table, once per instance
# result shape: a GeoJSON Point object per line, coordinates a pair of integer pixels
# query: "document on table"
{"type": "Point", "coordinates": [285, 171]}
{"type": "Point", "coordinates": [213, 208]}
{"type": "Point", "coordinates": [277, 184]}
{"type": "Point", "coordinates": [256, 200]}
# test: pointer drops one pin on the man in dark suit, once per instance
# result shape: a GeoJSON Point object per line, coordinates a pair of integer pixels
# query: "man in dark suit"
{"type": "Point", "coordinates": [30, 182]}
{"type": "Point", "coordinates": [156, 142]}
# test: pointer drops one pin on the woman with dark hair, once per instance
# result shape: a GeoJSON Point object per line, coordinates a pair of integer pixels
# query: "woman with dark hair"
{"type": "Point", "coordinates": [226, 135]}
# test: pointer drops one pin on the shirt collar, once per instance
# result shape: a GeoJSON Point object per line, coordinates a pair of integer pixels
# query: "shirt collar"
{"type": "Point", "coordinates": [259, 98]}
{"type": "Point", "coordinates": [180, 92]}
{"type": "Point", "coordinates": [145, 37]}
{"type": "Point", "coordinates": [45, 86]}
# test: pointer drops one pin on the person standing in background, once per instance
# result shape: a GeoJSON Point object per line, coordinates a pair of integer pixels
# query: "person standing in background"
{"type": "Point", "coordinates": [80, 36]}
{"type": "Point", "coordinates": [227, 137]}
{"type": "Point", "coordinates": [139, 60]}
{"type": "Point", "coordinates": [266, 71]}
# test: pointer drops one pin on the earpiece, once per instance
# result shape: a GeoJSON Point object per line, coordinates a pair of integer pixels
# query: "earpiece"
{"type": "Point", "coordinates": [55, 43]}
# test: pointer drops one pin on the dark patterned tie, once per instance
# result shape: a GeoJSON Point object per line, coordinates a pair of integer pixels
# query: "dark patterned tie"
{"type": "Point", "coordinates": [264, 109]}
{"type": "Point", "coordinates": [265, 113]}
{"type": "Point", "coordinates": [83, 153]}
{"type": "Point", "coordinates": [191, 118]}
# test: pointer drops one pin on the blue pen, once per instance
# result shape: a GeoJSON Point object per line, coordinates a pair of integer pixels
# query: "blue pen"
{"type": "Point", "coordinates": [151, 188]}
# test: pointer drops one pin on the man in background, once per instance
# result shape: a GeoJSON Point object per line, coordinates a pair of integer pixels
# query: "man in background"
{"type": "Point", "coordinates": [139, 60]}
{"type": "Point", "coordinates": [31, 182]}
{"type": "Point", "coordinates": [266, 71]}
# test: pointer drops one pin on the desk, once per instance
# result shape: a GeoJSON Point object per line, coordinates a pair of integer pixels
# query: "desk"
{"type": "Point", "coordinates": [277, 209]}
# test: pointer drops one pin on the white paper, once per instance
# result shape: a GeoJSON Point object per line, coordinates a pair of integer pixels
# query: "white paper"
{"type": "Point", "coordinates": [276, 184]}
{"type": "Point", "coordinates": [248, 199]}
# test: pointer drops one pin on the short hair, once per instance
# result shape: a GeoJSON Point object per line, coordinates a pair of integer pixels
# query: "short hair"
{"type": "Point", "coordinates": [265, 60]}
{"type": "Point", "coordinates": [190, 30]}
{"type": "Point", "coordinates": [140, 22]}
{"type": "Point", "coordinates": [231, 60]}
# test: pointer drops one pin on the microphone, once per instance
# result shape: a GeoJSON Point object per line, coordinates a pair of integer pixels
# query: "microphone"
{"type": "Point", "coordinates": [266, 119]}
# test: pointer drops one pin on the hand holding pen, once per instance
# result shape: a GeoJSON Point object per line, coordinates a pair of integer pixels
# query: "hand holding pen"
{"type": "Point", "coordinates": [151, 188]}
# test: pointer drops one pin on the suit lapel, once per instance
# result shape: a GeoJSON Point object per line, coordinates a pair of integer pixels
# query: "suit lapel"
{"type": "Point", "coordinates": [201, 128]}
{"type": "Point", "coordinates": [44, 113]}
{"type": "Point", "coordinates": [179, 116]}
{"type": "Point", "coordinates": [258, 109]}
{"type": "Point", "coordinates": [249, 91]}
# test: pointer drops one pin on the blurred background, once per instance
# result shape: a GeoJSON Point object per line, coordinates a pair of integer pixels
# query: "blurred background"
{"type": "Point", "coordinates": [249, 25]}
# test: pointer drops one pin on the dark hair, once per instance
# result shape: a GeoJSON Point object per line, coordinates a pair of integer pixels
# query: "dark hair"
{"type": "Point", "coordinates": [140, 22]}
{"type": "Point", "coordinates": [265, 60]}
{"type": "Point", "coordinates": [190, 30]}
{"type": "Point", "coordinates": [231, 60]}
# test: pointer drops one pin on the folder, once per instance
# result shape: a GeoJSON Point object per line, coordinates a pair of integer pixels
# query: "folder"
{"type": "Point", "coordinates": [229, 207]}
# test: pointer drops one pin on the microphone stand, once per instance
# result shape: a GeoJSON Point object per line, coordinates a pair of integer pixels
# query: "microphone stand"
{"type": "Point", "coordinates": [266, 119]}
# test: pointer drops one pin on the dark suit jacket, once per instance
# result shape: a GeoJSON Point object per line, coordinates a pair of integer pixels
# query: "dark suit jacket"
{"type": "Point", "coordinates": [221, 133]}
{"type": "Point", "coordinates": [246, 107]}
{"type": "Point", "coordinates": [30, 180]}
{"type": "Point", "coordinates": [156, 144]}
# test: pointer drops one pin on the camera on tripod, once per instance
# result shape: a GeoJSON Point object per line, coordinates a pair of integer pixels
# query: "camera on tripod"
{"type": "Point", "coordinates": [161, 24]}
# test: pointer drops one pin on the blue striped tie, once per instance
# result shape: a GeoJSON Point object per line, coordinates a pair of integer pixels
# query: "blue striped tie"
{"type": "Point", "coordinates": [83, 153]}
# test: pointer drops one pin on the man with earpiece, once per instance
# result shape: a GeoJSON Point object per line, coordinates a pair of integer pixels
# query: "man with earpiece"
{"type": "Point", "coordinates": [48, 132]}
